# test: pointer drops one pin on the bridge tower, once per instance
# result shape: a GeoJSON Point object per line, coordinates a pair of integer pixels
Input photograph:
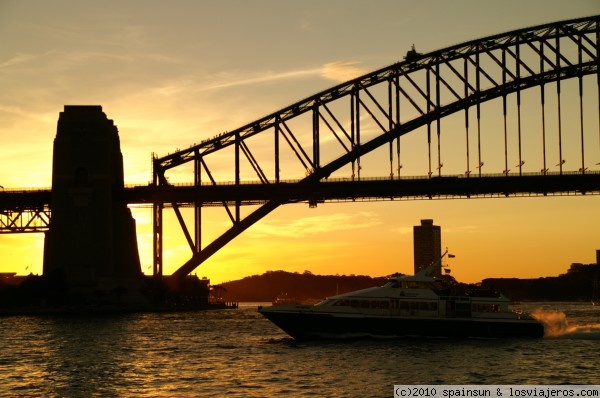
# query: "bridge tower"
{"type": "Point", "coordinates": [91, 241]}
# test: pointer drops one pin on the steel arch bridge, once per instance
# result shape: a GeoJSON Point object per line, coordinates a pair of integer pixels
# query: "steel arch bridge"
{"type": "Point", "coordinates": [301, 152]}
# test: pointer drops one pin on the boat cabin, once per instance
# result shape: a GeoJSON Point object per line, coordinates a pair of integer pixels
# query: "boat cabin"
{"type": "Point", "coordinates": [422, 296]}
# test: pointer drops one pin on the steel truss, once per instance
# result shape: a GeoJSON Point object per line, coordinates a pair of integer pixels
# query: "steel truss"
{"type": "Point", "coordinates": [24, 211]}
{"type": "Point", "coordinates": [376, 109]}
{"type": "Point", "coordinates": [24, 220]}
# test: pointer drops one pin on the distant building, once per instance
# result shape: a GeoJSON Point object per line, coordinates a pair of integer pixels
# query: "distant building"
{"type": "Point", "coordinates": [427, 245]}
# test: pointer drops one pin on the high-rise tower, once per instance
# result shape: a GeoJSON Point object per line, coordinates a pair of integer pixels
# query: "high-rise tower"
{"type": "Point", "coordinates": [92, 237]}
{"type": "Point", "coordinates": [427, 240]}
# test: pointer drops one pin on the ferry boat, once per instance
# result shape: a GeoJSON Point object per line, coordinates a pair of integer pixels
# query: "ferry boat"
{"type": "Point", "coordinates": [407, 306]}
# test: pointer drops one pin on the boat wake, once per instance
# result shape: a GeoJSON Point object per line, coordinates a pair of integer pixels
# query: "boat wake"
{"type": "Point", "coordinates": [556, 325]}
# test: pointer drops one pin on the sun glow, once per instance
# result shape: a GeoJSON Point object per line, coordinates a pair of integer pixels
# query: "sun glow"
{"type": "Point", "coordinates": [170, 83]}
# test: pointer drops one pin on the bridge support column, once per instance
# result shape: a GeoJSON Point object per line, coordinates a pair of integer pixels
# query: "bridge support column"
{"type": "Point", "coordinates": [157, 240]}
{"type": "Point", "coordinates": [91, 243]}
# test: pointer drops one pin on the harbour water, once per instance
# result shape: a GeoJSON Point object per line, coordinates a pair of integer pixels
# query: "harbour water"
{"type": "Point", "coordinates": [238, 353]}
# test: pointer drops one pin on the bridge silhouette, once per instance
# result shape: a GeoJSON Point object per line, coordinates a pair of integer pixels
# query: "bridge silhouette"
{"type": "Point", "coordinates": [517, 105]}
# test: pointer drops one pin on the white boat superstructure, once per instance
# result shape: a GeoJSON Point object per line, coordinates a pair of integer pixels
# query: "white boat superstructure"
{"type": "Point", "coordinates": [408, 305]}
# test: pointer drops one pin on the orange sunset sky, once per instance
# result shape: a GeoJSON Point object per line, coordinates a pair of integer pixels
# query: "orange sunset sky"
{"type": "Point", "coordinates": [172, 73]}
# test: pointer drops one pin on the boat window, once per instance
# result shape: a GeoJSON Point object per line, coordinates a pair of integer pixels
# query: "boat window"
{"type": "Point", "coordinates": [376, 304]}
{"type": "Point", "coordinates": [382, 304]}
{"type": "Point", "coordinates": [462, 309]}
{"type": "Point", "coordinates": [428, 306]}
{"type": "Point", "coordinates": [412, 285]}
{"type": "Point", "coordinates": [415, 306]}
{"type": "Point", "coordinates": [486, 307]}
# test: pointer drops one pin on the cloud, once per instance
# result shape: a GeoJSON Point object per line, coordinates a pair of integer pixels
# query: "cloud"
{"type": "Point", "coordinates": [237, 78]}
{"type": "Point", "coordinates": [336, 71]}
{"type": "Point", "coordinates": [17, 60]}
{"type": "Point", "coordinates": [314, 225]}
{"type": "Point", "coordinates": [405, 230]}
{"type": "Point", "coordinates": [462, 229]}
{"type": "Point", "coordinates": [21, 112]}
{"type": "Point", "coordinates": [341, 71]}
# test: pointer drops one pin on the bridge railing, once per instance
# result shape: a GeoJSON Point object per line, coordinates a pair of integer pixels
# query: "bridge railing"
{"type": "Point", "coordinates": [387, 178]}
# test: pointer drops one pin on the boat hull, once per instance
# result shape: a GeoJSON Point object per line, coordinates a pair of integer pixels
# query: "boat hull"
{"type": "Point", "coordinates": [312, 325]}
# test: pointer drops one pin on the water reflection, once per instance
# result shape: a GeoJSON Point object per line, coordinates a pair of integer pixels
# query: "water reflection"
{"type": "Point", "coordinates": [86, 355]}
{"type": "Point", "coordinates": [238, 353]}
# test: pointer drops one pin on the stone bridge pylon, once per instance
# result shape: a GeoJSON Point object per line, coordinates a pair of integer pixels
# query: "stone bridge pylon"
{"type": "Point", "coordinates": [91, 243]}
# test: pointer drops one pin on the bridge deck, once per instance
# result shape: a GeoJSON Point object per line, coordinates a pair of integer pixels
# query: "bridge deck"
{"type": "Point", "coordinates": [333, 190]}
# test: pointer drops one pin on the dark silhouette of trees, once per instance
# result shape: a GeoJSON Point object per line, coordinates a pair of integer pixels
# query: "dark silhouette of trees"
{"type": "Point", "coordinates": [305, 286]}
{"type": "Point", "coordinates": [575, 285]}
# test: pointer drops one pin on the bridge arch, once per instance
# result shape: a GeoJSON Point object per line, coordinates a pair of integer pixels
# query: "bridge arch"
{"type": "Point", "coordinates": [419, 91]}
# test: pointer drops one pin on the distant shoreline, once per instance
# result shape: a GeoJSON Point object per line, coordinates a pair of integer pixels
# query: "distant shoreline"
{"type": "Point", "coordinates": [573, 286]}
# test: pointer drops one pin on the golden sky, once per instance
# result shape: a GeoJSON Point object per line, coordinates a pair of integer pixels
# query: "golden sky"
{"type": "Point", "coordinates": [171, 74]}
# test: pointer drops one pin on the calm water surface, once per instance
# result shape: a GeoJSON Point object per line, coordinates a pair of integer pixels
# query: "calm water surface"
{"type": "Point", "coordinates": [238, 353]}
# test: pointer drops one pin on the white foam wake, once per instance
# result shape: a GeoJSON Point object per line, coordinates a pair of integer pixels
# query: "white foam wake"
{"type": "Point", "coordinates": [556, 325]}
